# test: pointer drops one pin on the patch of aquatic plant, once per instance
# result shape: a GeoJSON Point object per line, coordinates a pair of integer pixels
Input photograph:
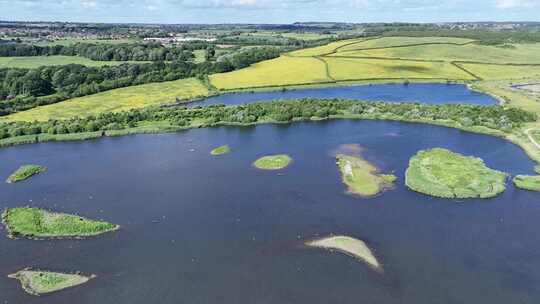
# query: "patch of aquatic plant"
{"type": "Point", "coordinates": [528, 182]}
{"type": "Point", "coordinates": [37, 223]}
{"type": "Point", "coordinates": [348, 245]}
{"type": "Point", "coordinates": [43, 282]}
{"type": "Point", "coordinates": [273, 162]}
{"type": "Point", "coordinates": [361, 177]}
{"type": "Point", "coordinates": [25, 172]}
{"type": "Point", "coordinates": [221, 150]}
{"type": "Point", "coordinates": [443, 173]}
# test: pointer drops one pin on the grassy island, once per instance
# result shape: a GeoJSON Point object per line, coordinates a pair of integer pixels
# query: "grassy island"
{"type": "Point", "coordinates": [443, 173]}
{"type": "Point", "coordinates": [25, 172]}
{"type": "Point", "coordinates": [37, 223]}
{"type": "Point", "coordinates": [528, 182]}
{"type": "Point", "coordinates": [350, 246]}
{"type": "Point", "coordinates": [42, 282]}
{"type": "Point", "coordinates": [361, 177]}
{"type": "Point", "coordinates": [221, 150]}
{"type": "Point", "coordinates": [273, 162]}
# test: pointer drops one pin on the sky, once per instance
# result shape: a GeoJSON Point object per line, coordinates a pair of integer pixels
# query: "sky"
{"type": "Point", "coordinates": [268, 11]}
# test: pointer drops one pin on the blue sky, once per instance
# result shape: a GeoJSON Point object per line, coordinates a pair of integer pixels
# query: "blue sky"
{"type": "Point", "coordinates": [269, 11]}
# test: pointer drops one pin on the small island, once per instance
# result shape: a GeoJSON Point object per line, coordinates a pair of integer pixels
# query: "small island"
{"type": "Point", "coordinates": [273, 162]}
{"type": "Point", "coordinates": [349, 246]}
{"type": "Point", "coordinates": [36, 223]}
{"type": "Point", "coordinates": [42, 282]}
{"type": "Point", "coordinates": [527, 182]}
{"type": "Point", "coordinates": [442, 173]}
{"type": "Point", "coordinates": [361, 177]}
{"type": "Point", "coordinates": [221, 150]}
{"type": "Point", "coordinates": [25, 172]}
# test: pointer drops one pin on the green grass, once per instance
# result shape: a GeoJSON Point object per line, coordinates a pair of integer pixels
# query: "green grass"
{"type": "Point", "coordinates": [200, 56]}
{"type": "Point", "coordinates": [116, 100]}
{"type": "Point", "coordinates": [275, 72]}
{"type": "Point", "coordinates": [502, 72]}
{"type": "Point", "coordinates": [43, 282]}
{"type": "Point", "coordinates": [273, 162]}
{"type": "Point", "coordinates": [358, 69]}
{"type": "Point", "coordinates": [221, 150]}
{"type": "Point", "coordinates": [325, 49]}
{"type": "Point", "coordinates": [527, 182]}
{"type": "Point", "coordinates": [33, 62]}
{"type": "Point", "coordinates": [361, 177]}
{"type": "Point", "coordinates": [400, 41]}
{"type": "Point", "coordinates": [25, 172]}
{"type": "Point", "coordinates": [520, 53]}
{"type": "Point", "coordinates": [37, 223]}
{"type": "Point", "coordinates": [443, 173]}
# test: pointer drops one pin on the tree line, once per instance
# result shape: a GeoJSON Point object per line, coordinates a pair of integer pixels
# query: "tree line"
{"type": "Point", "coordinates": [22, 89]}
{"type": "Point", "coordinates": [499, 118]}
{"type": "Point", "coordinates": [102, 51]}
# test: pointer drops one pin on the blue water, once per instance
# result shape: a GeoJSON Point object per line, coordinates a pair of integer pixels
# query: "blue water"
{"type": "Point", "coordinates": [424, 93]}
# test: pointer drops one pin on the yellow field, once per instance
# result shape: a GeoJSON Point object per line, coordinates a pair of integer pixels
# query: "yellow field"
{"type": "Point", "coordinates": [280, 71]}
{"type": "Point", "coordinates": [358, 69]}
{"type": "Point", "coordinates": [115, 100]}
{"type": "Point", "coordinates": [518, 53]}
{"type": "Point", "coordinates": [501, 72]}
{"type": "Point", "coordinates": [400, 41]}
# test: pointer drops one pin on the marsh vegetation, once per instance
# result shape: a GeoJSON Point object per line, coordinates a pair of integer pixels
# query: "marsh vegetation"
{"type": "Point", "coordinates": [443, 173]}
{"type": "Point", "coordinates": [42, 282]}
{"type": "Point", "coordinates": [37, 223]}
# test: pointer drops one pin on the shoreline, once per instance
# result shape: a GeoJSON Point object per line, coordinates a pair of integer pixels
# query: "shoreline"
{"type": "Point", "coordinates": [155, 129]}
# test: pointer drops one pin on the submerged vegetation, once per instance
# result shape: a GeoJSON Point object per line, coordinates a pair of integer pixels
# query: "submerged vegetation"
{"type": "Point", "coordinates": [42, 282]}
{"type": "Point", "coordinates": [361, 177]}
{"type": "Point", "coordinates": [350, 246]}
{"type": "Point", "coordinates": [443, 173]}
{"type": "Point", "coordinates": [25, 172]}
{"type": "Point", "coordinates": [37, 223]}
{"type": "Point", "coordinates": [527, 182]}
{"type": "Point", "coordinates": [221, 150]}
{"type": "Point", "coordinates": [273, 162]}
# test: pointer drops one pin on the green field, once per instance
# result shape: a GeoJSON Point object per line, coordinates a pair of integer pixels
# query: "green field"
{"type": "Point", "coordinates": [33, 62]}
{"type": "Point", "coordinates": [502, 72]}
{"type": "Point", "coordinates": [116, 100]}
{"type": "Point", "coordinates": [519, 53]}
{"type": "Point", "coordinates": [407, 58]}
{"type": "Point", "coordinates": [221, 150]}
{"type": "Point", "coordinates": [354, 69]}
{"type": "Point", "coordinates": [400, 41]}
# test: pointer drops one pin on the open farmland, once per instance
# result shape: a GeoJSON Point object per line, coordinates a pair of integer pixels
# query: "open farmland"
{"type": "Point", "coordinates": [353, 69]}
{"type": "Point", "coordinates": [281, 71]}
{"type": "Point", "coordinates": [32, 62]}
{"type": "Point", "coordinates": [401, 41]}
{"type": "Point", "coordinates": [390, 58]}
{"type": "Point", "coordinates": [501, 72]}
{"type": "Point", "coordinates": [520, 53]}
{"type": "Point", "coordinates": [116, 100]}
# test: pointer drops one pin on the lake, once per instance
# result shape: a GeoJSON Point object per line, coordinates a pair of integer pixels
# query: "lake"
{"type": "Point", "coordinates": [203, 229]}
{"type": "Point", "coordinates": [431, 93]}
